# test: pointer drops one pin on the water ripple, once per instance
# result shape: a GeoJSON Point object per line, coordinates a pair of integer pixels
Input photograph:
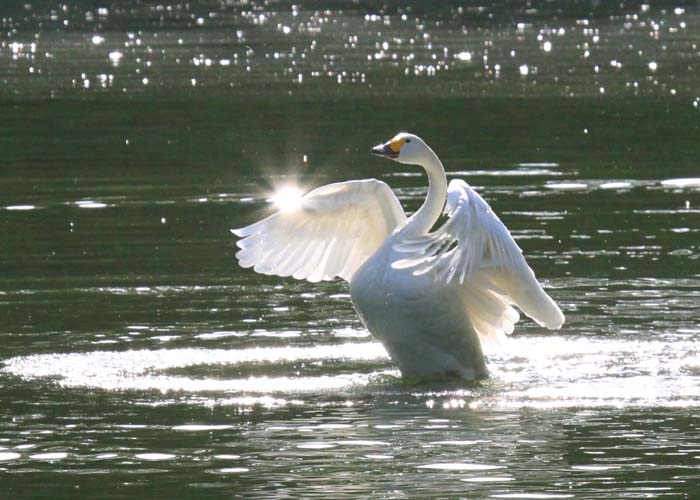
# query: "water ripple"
{"type": "Point", "coordinates": [528, 371]}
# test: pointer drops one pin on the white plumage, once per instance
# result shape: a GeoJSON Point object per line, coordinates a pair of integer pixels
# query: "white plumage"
{"type": "Point", "coordinates": [330, 233]}
{"type": "Point", "coordinates": [431, 298]}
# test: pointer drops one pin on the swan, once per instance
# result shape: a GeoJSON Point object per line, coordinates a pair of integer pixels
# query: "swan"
{"type": "Point", "coordinates": [431, 297]}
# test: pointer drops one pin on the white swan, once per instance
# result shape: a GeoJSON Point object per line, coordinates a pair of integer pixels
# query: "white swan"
{"type": "Point", "coordinates": [429, 297]}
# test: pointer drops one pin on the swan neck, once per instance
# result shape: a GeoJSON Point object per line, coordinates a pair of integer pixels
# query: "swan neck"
{"type": "Point", "coordinates": [432, 207]}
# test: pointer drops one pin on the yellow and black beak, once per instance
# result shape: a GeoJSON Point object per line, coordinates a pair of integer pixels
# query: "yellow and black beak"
{"type": "Point", "coordinates": [390, 149]}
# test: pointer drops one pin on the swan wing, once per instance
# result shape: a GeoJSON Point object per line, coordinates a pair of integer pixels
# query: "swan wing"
{"type": "Point", "coordinates": [474, 248]}
{"type": "Point", "coordinates": [332, 231]}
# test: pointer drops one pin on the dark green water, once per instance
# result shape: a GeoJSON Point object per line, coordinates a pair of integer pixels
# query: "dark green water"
{"type": "Point", "coordinates": [138, 360]}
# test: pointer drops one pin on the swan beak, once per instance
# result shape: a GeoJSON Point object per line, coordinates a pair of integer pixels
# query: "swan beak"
{"type": "Point", "coordinates": [384, 150]}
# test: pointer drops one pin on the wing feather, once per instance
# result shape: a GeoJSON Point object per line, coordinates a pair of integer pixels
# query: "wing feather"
{"type": "Point", "coordinates": [474, 248]}
{"type": "Point", "coordinates": [332, 232]}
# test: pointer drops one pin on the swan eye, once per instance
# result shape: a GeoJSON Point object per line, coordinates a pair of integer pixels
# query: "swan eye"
{"type": "Point", "coordinates": [408, 140]}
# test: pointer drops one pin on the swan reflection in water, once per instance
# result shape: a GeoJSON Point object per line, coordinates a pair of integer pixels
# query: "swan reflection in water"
{"type": "Point", "coordinates": [430, 297]}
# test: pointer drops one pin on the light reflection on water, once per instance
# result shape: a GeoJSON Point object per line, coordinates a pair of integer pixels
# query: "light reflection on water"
{"type": "Point", "coordinates": [528, 372]}
{"type": "Point", "coordinates": [466, 50]}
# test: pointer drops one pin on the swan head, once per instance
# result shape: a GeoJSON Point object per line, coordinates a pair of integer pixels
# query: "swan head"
{"type": "Point", "coordinates": [404, 148]}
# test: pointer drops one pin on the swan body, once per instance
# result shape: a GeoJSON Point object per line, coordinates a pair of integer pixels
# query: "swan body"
{"type": "Point", "coordinates": [430, 297]}
{"type": "Point", "coordinates": [421, 322]}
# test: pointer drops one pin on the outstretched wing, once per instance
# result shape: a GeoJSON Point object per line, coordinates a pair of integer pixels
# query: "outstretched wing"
{"type": "Point", "coordinates": [476, 249]}
{"type": "Point", "coordinates": [331, 233]}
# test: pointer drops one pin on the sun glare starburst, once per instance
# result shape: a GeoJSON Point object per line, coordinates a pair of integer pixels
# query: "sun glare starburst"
{"type": "Point", "coordinates": [287, 198]}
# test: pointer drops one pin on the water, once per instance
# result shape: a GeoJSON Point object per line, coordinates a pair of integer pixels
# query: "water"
{"type": "Point", "coordinates": [139, 360]}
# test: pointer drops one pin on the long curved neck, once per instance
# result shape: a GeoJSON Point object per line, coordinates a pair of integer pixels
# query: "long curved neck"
{"type": "Point", "coordinates": [430, 211]}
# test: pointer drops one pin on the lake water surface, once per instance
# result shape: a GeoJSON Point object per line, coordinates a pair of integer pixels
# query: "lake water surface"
{"type": "Point", "coordinates": [138, 360]}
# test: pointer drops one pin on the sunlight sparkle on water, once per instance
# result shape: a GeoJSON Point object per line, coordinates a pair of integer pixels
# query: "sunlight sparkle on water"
{"type": "Point", "coordinates": [689, 182]}
{"type": "Point", "coordinates": [20, 207]}
{"type": "Point", "coordinates": [155, 456]}
{"type": "Point", "coordinates": [615, 185]}
{"type": "Point", "coordinates": [148, 369]}
{"type": "Point", "coordinates": [458, 466]}
{"type": "Point", "coordinates": [529, 372]}
{"type": "Point", "coordinates": [115, 57]}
